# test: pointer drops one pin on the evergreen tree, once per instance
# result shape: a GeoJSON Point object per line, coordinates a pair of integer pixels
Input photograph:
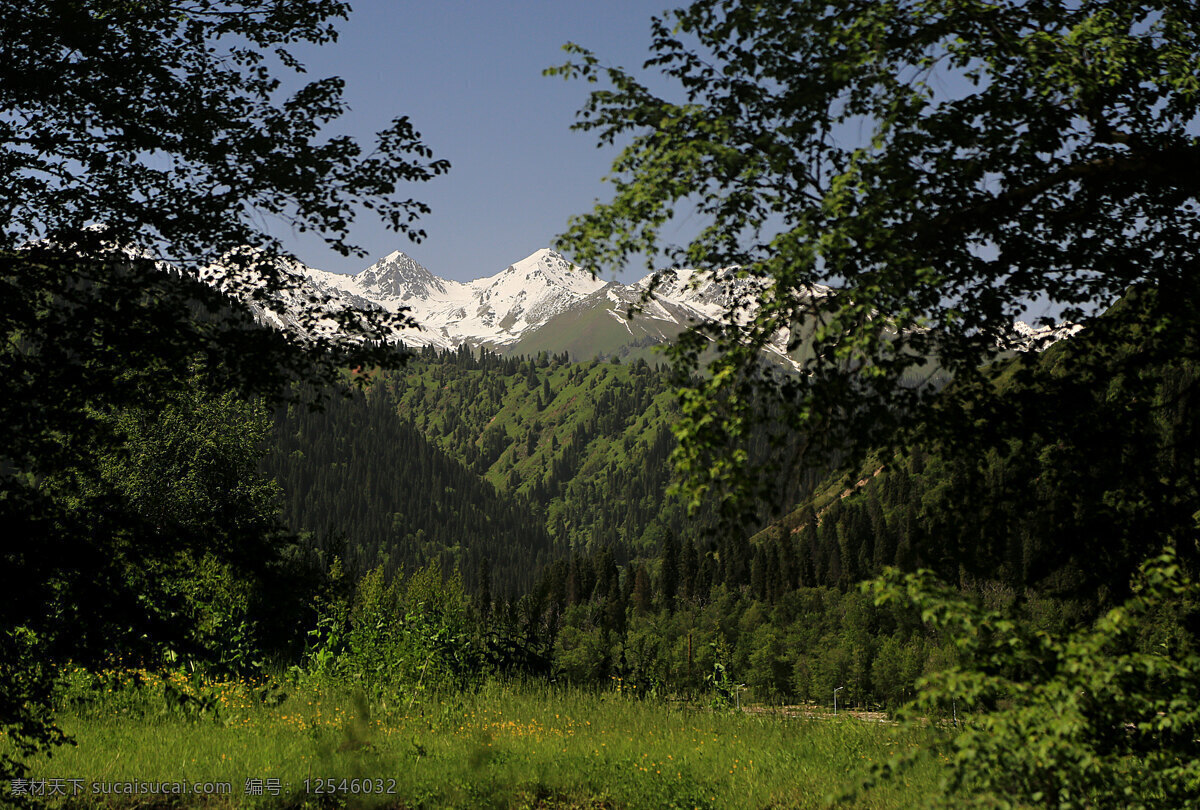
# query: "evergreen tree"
{"type": "Point", "coordinates": [669, 572]}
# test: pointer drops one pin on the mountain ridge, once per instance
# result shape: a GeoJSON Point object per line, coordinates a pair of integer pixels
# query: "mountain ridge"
{"type": "Point", "coordinates": [543, 302]}
{"type": "Point", "coordinates": [502, 311]}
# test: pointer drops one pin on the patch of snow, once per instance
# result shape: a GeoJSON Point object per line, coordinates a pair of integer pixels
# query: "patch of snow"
{"type": "Point", "coordinates": [1026, 338]}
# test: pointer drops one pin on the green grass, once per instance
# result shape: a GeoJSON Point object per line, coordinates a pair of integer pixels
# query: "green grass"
{"type": "Point", "coordinates": [502, 746]}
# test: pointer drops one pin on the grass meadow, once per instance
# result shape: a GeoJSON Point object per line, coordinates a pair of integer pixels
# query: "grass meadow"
{"type": "Point", "coordinates": [502, 746]}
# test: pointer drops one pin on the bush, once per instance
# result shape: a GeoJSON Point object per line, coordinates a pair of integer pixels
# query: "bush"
{"type": "Point", "coordinates": [1091, 718]}
{"type": "Point", "coordinates": [410, 634]}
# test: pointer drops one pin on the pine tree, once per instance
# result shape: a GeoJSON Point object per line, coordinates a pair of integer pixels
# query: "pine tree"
{"type": "Point", "coordinates": [643, 594]}
{"type": "Point", "coordinates": [669, 573]}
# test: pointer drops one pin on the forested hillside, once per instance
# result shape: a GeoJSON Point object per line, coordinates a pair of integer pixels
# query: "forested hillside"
{"type": "Point", "coordinates": [465, 458]}
{"type": "Point", "coordinates": [370, 489]}
{"type": "Point", "coordinates": [544, 482]}
{"type": "Point", "coordinates": [1089, 459]}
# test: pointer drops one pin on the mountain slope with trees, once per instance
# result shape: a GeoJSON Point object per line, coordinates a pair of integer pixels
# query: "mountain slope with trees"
{"type": "Point", "coordinates": [373, 491]}
{"type": "Point", "coordinates": [478, 460]}
{"type": "Point", "coordinates": [782, 612]}
{"type": "Point", "coordinates": [587, 443]}
{"type": "Point", "coordinates": [1090, 454]}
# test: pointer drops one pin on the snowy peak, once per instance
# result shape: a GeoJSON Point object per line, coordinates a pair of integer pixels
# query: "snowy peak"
{"type": "Point", "coordinates": [399, 277]}
{"type": "Point", "coordinates": [1024, 337]}
{"type": "Point", "coordinates": [713, 294]}
{"type": "Point", "coordinates": [545, 268]}
{"type": "Point", "coordinates": [544, 302]}
{"type": "Point", "coordinates": [531, 291]}
{"type": "Point", "coordinates": [491, 311]}
{"type": "Point", "coordinates": [498, 309]}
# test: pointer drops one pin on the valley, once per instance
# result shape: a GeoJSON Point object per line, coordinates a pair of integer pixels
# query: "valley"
{"type": "Point", "coordinates": [804, 518]}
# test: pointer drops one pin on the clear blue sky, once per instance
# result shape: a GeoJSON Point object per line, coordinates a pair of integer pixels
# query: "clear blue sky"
{"type": "Point", "coordinates": [469, 75]}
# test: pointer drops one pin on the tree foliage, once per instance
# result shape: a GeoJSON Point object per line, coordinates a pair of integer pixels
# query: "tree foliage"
{"type": "Point", "coordinates": [1089, 718]}
{"type": "Point", "coordinates": [143, 146]}
{"type": "Point", "coordinates": [398, 636]}
{"type": "Point", "coordinates": [170, 124]}
{"type": "Point", "coordinates": [942, 163]}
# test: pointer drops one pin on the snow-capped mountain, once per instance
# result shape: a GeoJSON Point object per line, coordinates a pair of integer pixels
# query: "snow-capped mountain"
{"type": "Point", "coordinates": [399, 277]}
{"type": "Point", "coordinates": [544, 303]}
{"type": "Point", "coordinates": [495, 311]}
{"type": "Point", "coordinates": [311, 305]}
{"type": "Point", "coordinates": [541, 303]}
{"type": "Point", "coordinates": [1025, 338]}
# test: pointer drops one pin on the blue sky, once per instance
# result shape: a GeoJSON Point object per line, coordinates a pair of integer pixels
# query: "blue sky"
{"type": "Point", "coordinates": [468, 74]}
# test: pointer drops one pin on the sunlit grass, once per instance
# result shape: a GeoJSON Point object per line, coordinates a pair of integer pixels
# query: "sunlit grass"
{"type": "Point", "coordinates": [505, 745]}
